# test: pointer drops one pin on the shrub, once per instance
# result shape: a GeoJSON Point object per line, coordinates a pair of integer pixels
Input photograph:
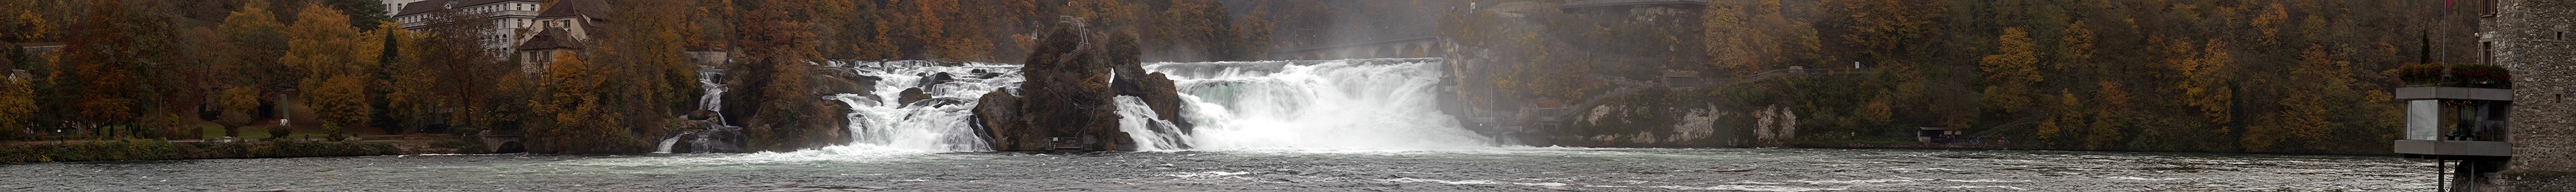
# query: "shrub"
{"type": "Point", "coordinates": [2462, 75]}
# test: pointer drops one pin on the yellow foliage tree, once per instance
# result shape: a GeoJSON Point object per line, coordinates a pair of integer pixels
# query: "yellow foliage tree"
{"type": "Point", "coordinates": [333, 60]}
{"type": "Point", "coordinates": [321, 44]}
{"type": "Point", "coordinates": [572, 102]}
{"type": "Point", "coordinates": [2104, 132]}
{"type": "Point", "coordinates": [340, 101]}
{"type": "Point", "coordinates": [2205, 76]}
{"type": "Point", "coordinates": [2011, 72]}
{"type": "Point", "coordinates": [238, 105]}
{"type": "Point", "coordinates": [17, 107]}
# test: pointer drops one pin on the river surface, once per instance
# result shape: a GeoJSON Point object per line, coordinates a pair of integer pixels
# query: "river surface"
{"type": "Point", "coordinates": [1496, 169]}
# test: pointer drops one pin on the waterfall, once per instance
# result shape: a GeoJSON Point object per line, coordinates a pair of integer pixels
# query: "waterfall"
{"type": "Point", "coordinates": [1137, 119]}
{"type": "Point", "coordinates": [942, 123]}
{"type": "Point", "coordinates": [1330, 104]}
{"type": "Point", "coordinates": [714, 125]}
{"type": "Point", "coordinates": [714, 98]}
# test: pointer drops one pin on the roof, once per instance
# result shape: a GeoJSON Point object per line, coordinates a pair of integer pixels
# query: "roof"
{"type": "Point", "coordinates": [435, 5]}
{"type": "Point", "coordinates": [567, 8]}
{"type": "Point", "coordinates": [1612, 3]}
{"type": "Point", "coordinates": [551, 38]}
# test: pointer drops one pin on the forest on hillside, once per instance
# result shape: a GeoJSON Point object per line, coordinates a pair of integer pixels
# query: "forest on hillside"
{"type": "Point", "coordinates": [171, 69]}
{"type": "Point", "coordinates": [2153, 75]}
{"type": "Point", "coordinates": [2164, 75]}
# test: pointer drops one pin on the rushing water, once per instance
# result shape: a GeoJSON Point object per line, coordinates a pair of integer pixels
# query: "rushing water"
{"type": "Point", "coordinates": [941, 123]}
{"type": "Point", "coordinates": [1495, 169]}
{"type": "Point", "coordinates": [1338, 125]}
{"type": "Point", "coordinates": [1330, 104]}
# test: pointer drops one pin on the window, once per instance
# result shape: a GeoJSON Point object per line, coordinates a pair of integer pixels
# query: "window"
{"type": "Point", "coordinates": [2490, 7]}
{"type": "Point", "coordinates": [2486, 52]}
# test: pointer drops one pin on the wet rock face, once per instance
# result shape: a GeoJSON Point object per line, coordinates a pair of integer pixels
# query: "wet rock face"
{"type": "Point", "coordinates": [912, 95]}
{"type": "Point", "coordinates": [997, 118]}
{"type": "Point", "coordinates": [1158, 91]}
{"type": "Point", "coordinates": [830, 82]}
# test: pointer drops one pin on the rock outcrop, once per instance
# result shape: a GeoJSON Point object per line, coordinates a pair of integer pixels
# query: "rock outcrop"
{"type": "Point", "coordinates": [1156, 89]}
{"type": "Point", "coordinates": [1067, 103]}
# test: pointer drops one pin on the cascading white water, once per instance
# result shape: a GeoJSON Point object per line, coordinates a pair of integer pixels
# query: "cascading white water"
{"type": "Point", "coordinates": [1335, 104]}
{"type": "Point", "coordinates": [1137, 119]}
{"type": "Point", "coordinates": [942, 123]}
{"type": "Point", "coordinates": [713, 100]}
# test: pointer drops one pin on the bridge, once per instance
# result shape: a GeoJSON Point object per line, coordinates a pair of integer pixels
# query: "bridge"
{"type": "Point", "coordinates": [1414, 47]}
{"type": "Point", "coordinates": [1587, 4]}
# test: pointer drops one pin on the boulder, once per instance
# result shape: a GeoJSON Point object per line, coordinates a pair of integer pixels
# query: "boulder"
{"type": "Point", "coordinates": [936, 79]}
{"type": "Point", "coordinates": [997, 119]}
{"type": "Point", "coordinates": [1067, 97]}
{"type": "Point", "coordinates": [912, 95]}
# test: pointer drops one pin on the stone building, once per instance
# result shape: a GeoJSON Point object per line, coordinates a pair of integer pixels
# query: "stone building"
{"type": "Point", "coordinates": [509, 18]}
{"type": "Point", "coordinates": [563, 28]}
{"type": "Point", "coordinates": [2531, 38]}
{"type": "Point", "coordinates": [395, 7]}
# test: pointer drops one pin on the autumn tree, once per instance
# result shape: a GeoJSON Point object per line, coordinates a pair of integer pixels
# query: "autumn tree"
{"type": "Point", "coordinates": [1196, 29]}
{"type": "Point", "coordinates": [2052, 130]}
{"type": "Point", "coordinates": [2305, 113]}
{"type": "Point", "coordinates": [1731, 38]}
{"type": "Point", "coordinates": [101, 83]}
{"type": "Point", "coordinates": [252, 40]}
{"type": "Point", "coordinates": [340, 101]}
{"type": "Point", "coordinates": [20, 23]}
{"type": "Point", "coordinates": [1251, 37]}
{"type": "Point", "coordinates": [333, 63]}
{"type": "Point", "coordinates": [2011, 72]}
{"type": "Point", "coordinates": [653, 36]}
{"type": "Point", "coordinates": [239, 106]}
{"type": "Point", "coordinates": [577, 119]}
{"type": "Point", "coordinates": [463, 76]}
{"type": "Point", "coordinates": [1888, 27]}
{"type": "Point", "coordinates": [320, 46]}
{"type": "Point", "coordinates": [17, 108]}
{"type": "Point", "coordinates": [2205, 85]}
{"type": "Point", "coordinates": [1747, 38]}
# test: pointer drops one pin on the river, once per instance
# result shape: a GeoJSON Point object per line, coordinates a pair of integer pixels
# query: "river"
{"type": "Point", "coordinates": [1494, 169]}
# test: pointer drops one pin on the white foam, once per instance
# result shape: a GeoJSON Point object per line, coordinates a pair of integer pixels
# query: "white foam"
{"type": "Point", "coordinates": [1358, 104]}
{"type": "Point", "coordinates": [1812, 182]}
{"type": "Point", "coordinates": [1206, 174]}
{"type": "Point", "coordinates": [1728, 188]}
{"type": "Point", "coordinates": [1981, 187]}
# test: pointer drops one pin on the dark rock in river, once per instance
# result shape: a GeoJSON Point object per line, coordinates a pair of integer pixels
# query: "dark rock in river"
{"type": "Point", "coordinates": [936, 79]}
{"type": "Point", "coordinates": [912, 95]}
{"type": "Point", "coordinates": [1067, 102]}
{"type": "Point", "coordinates": [998, 120]}
{"type": "Point", "coordinates": [842, 81]}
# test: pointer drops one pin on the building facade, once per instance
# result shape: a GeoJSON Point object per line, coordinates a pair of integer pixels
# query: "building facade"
{"type": "Point", "coordinates": [2531, 37]}
{"type": "Point", "coordinates": [395, 7]}
{"type": "Point", "coordinates": [510, 19]}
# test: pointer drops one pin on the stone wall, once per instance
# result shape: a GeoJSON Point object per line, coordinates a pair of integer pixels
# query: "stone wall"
{"type": "Point", "coordinates": [2535, 39]}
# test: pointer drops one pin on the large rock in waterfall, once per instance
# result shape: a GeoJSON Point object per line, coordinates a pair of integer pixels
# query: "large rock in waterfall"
{"type": "Point", "coordinates": [778, 103]}
{"type": "Point", "coordinates": [1067, 101]}
{"type": "Point", "coordinates": [1156, 89]}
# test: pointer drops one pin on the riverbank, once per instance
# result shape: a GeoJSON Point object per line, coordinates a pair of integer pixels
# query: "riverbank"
{"type": "Point", "coordinates": [138, 149]}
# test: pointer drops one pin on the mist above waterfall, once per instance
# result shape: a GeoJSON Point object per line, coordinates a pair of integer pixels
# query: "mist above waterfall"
{"type": "Point", "coordinates": [1336, 104]}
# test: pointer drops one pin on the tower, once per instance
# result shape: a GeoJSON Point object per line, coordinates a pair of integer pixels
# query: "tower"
{"type": "Point", "coordinates": [2531, 38]}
